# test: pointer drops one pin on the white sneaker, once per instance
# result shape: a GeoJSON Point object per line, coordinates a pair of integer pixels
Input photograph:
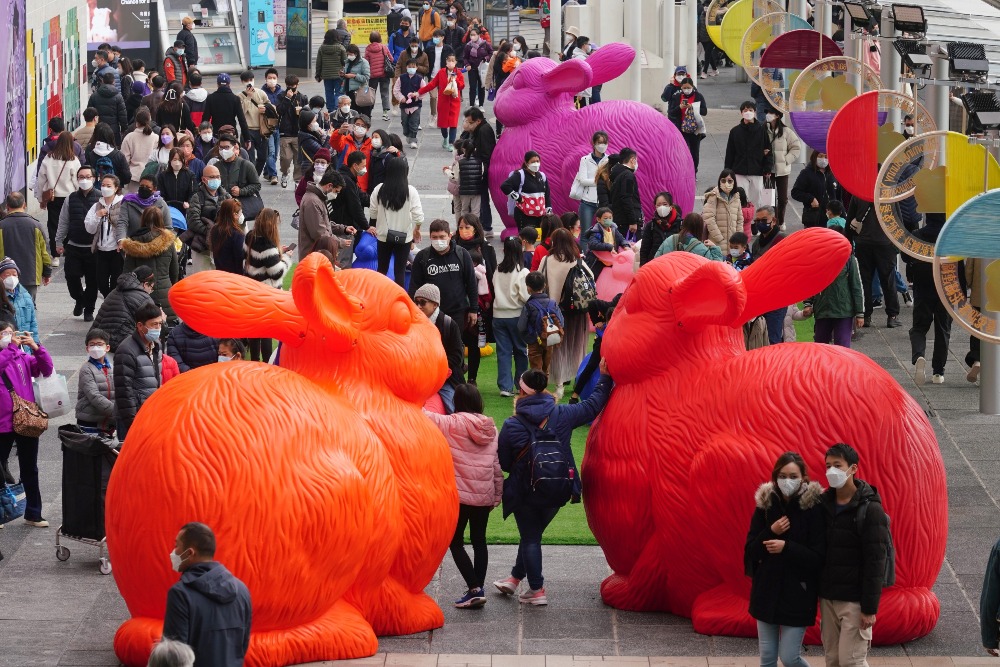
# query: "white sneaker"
{"type": "Point", "coordinates": [506, 394]}
{"type": "Point", "coordinates": [413, 144]}
{"type": "Point", "coordinates": [920, 371]}
{"type": "Point", "coordinates": [937, 379]}
{"type": "Point", "coordinates": [420, 127]}
{"type": "Point", "coordinates": [507, 586]}
{"type": "Point", "coordinates": [55, 262]}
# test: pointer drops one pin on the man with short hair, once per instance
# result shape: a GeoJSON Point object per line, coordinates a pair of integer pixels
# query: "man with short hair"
{"type": "Point", "coordinates": [273, 90]}
{"type": "Point", "coordinates": [857, 549]}
{"type": "Point", "coordinates": [428, 300]}
{"type": "Point", "coordinates": [223, 108]}
{"type": "Point", "coordinates": [449, 266]}
{"type": "Point", "coordinates": [748, 153]}
{"type": "Point", "coordinates": [208, 609]}
{"type": "Point", "coordinates": [175, 65]}
{"type": "Point", "coordinates": [186, 37]}
{"type": "Point", "coordinates": [155, 97]}
{"type": "Point", "coordinates": [83, 133]}
{"type": "Point", "coordinates": [349, 206]}
{"type": "Point", "coordinates": [101, 67]}
{"type": "Point", "coordinates": [201, 216]}
{"type": "Point", "coordinates": [239, 176]}
{"type": "Point", "coordinates": [289, 105]}
{"type": "Point", "coordinates": [74, 242]}
{"type": "Point", "coordinates": [25, 240]}
{"type": "Point", "coordinates": [255, 105]}
{"type": "Point", "coordinates": [110, 106]}
{"type": "Point", "coordinates": [137, 366]}
{"type": "Point", "coordinates": [316, 231]}
{"type": "Point", "coordinates": [196, 97]}
{"type": "Point", "coordinates": [625, 204]}
{"type": "Point", "coordinates": [484, 141]}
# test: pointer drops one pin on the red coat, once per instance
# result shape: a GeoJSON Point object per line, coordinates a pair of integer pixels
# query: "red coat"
{"type": "Point", "coordinates": [448, 106]}
{"type": "Point", "coordinates": [168, 369]}
{"type": "Point", "coordinates": [345, 144]}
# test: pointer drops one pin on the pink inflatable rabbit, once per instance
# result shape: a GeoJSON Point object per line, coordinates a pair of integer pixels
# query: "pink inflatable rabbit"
{"type": "Point", "coordinates": [616, 277]}
{"type": "Point", "coordinates": [535, 105]}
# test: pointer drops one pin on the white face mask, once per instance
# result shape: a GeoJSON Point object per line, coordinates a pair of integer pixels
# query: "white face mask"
{"type": "Point", "coordinates": [351, 59]}
{"type": "Point", "coordinates": [411, 70]}
{"type": "Point", "coordinates": [223, 357]}
{"type": "Point", "coordinates": [206, 137]}
{"type": "Point", "coordinates": [515, 49]}
{"type": "Point", "coordinates": [748, 115]}
{"type": "Point", "coordinates": [103, 149]}
{"type": "Point", "coordinates": [226, 153]}
{"type": "Point", "coordinates": [97, 352]}
{"type": "Point", "coordinates": [5, 341]}
{"type": "Point", "coordinates": [687, 91]}
{"type": "Point", "coordinates": [314, 126]}
{"type": "Point", "coordinates": [107, 191]}
{"type": "Point", "coordinates": [770, 117]}
{"type": "Point", "coordinates": [319, 169]}
{"type": "Point", "coordinates": [272, 82]}
{"type": "Point", "coordinates": [726, 187]}
{"type": "Point", "coordinates": [362, 171]}
{"type": "Point", "coordinates": [735, 252]}
{"type": "Point", "coordinates": [346, 109]}
{"type": "Point", "coordinates": [663, 211]}
{"type": "Point", "coordinates": [10, 282]}
{"type": "Point", "coordinates": [601, 148]}
{"type": "Point", "coordinates": [680, 77]}
{"type": "Point", "coordinates": [376, 143]}
{"type": "Point", "coordinates": [332, 195]}
{"type": "Point", "coordinates": [836, 477]}
{"type": "Point", "coordinates": [175, 561]}
{"type": "Point", "coordinates": [789, 486]}
{"type": "Point", "coordinates": [360, 131]}
{"type": "Point", "coordinates": [822, 162]}
{"type": "Point", "coordinates": [414, 49]}
{"type": "Point", "coordinates": [534, 167]}
{"type": "Point", "coordinates": [241, 219]}
{"type": "Point", "coordinates": [440, 244]}
{"type": "Point", "coordinates": [176, 165]}
{"type": "Point", "coordinates": [85, 183]}
{"type": "Point", "coordinates": [909, 130]}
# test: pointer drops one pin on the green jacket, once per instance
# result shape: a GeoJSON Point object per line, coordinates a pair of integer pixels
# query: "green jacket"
{"type": "Point", "coordinates": [23, 239]}
{"type": "Point", "coordinates": [843, 298]}
{"type": "Point", "coordinates": [697, 247]}
{"type": "Point", "coordinates": [330, 62]}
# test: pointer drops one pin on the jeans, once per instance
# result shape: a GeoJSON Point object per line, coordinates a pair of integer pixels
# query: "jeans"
{"type": "Point", "coordinates": [449, 134]}
{"type": "Point", "coordinates": [531, 523]}
{"type": "Point", "coordinates": [595, 93]}
{"type": "Point", "coordinates": [27, 461]}
{"type": "Point", "coordinates": [398, 253]}
{"type": "Point", "coordinates": [776, 325]}
{"type": "Point", "coordinates": [81, 269]}
{"type": "Point", "coordinates": [587, 211]}
{"type": "Point", "coordinates": [593, 363]}
{"type": "Point", "coordinates": [928, 310]}
{"type": "Point", "coordinates": [332, 88]}
{"type": "Point", "coordinates": [780, 641]}
{"type": "Point", "coordinates": [878, 260]}
{"type": "Point", "coordinates": [273, 148]}
{"type": "Point", "coordinates": [509, 344]}
{"type": "Point", "coordinates": [411, 123]}
{"type": "Point", "coordinates": [477, 91]}
{"type": "Point", "coordinates": [901, 286]}
{"type": "Point", "coordinates": [838, 329]}
{"type": "Point", "coordinates": [447, 394]}
{"type": "Point", "coordinates": [476, 518]}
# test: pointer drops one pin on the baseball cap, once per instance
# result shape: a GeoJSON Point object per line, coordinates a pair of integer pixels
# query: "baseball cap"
{"type": "Point", "coordinates": [223, 79]}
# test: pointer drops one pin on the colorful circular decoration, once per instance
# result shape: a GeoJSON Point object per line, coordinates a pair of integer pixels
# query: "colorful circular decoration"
{"type": "Point", "coordinates": [821, 90]}
{"type": "Point", "coordinates": [939, 172]}
{"type": "Point", "coordinates": [860, 139]}
{"type": "Point", "coordinates": [713, 19]}
{"type": "Point", "coordinates": [786, 57]}
{"type": "Point", "coordinates": [737, 20]}
{"type": "Point", "coordinates": [763, 32]}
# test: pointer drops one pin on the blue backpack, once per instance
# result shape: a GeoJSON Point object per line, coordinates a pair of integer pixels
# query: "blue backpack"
{"type": "Point", "coordinates": [553, 476]}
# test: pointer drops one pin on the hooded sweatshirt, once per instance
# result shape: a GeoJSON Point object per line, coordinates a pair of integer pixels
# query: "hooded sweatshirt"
{"type": "Point", "coordinates": [196, 103]}
{"type": "Point", "coordinates": [472, 439]}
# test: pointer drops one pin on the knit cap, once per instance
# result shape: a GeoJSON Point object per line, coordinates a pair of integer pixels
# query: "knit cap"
{"type": "Point", "coordinates": [8, 263]}
{"type": "Point", "coordinates": [429, 292]}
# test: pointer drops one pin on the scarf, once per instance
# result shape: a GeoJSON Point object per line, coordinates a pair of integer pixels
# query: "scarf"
{"type": "Point", "coordinates": [145, 203]}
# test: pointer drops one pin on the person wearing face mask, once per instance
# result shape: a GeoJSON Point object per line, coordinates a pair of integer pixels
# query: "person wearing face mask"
{"type": "Point", "coordinates": [117, 312]}
{"type": "Point", "coordinates": [428, 20]}
{"type": "Point", "coordinates": [316, 230]}
{"type": "Point", "coordinates": [406, 92]}
{"type": "Point", "coordinates": [448, 266]}
{"type": "Point", "coordinates": [685, 110]}
{"type": "Point", "coordinates": [666, 221]}
{"type": "Point", "coordinates": [603, 237]}
{"type": "Point", "coordinates": [239, 176]}
{"type": "Point", "coordinates": [56, 181]}
{"type": "Point", "coordinates": [437, 52]}
{"type": "Point", "coordinates": [161, 154]}
{"type": "Point", "coordinates": [177, 183]}
{"type": "Point", "coordinates": [477, 53]}
{"type": "Point", "coordinates": [290, 104]}
{"type": "Point", "coordinates": [858, 546]}
{"type": "Point", "coordinates": [226, 237]}
{"type": "Point", "coordinates": [357, 74]}
{"type": "Point", "coordinates": [748, 154]}
{"type": "Point", "coordinates": [311, 139]}
{"type": "Point", "coordinates": [110, 105]}
{"type": "Point", "coordinates": [349, 206]}
{"type": "Point", "coordinates": [380, 65]}
{"type": "Point", "coordinates": [223, 108]}
{"type": "Point", "coordinates": [350, 138]}
{"type": "Point", "coordinates": [136, 367]}
{"type": "Point", "coordinates": [785, 149]}
{"type": "Point", "coordinates": [624, 192]}
{"type": "Point", "coordinates": [399, 42]}
{"type": "Point", "coordinates": [152, 245]}
{"type": "Point", "coordinates": [186, 37]}
{"type": "Point", "coordinates": [768, 234]}
{"type": "Point", "coordinates": [175, 66]}
{"type": "Point", "coordinates": [723, 210]}
{"type": "Point", "coordinates": [692, 237]}
{"type": "Point", "coordinates": [330, 60]}
{"type": "Point", "coordinates": [383, 150]}
{"type": "Point", "coordinates": [201, 215]}
{"type": "Point", "coordinates": [134, 205]}
{"type": "Point", "coordinates": [447, 84]}
{"type": "Point", "coordinates": [74, 241]}
{"type": "Point", "coordinates": [675, 83]}
{"type": "Point", "coordinates": [528, 189]}
{"type": "Point", "coordinates": [230, 349]}
{"type": "Point", "coordinates": [413, 55]}
{"type": "Point", "coordinates": [17, 304]}
{"type": "Point", "coordinates": [208, 608]}
{"type": "Point", "coordinates": [95, 404]}
{"type": "Point", "coordinates": [470, 236]}
{"type": "Point", "coordinates": [454, 36]}
{"type": "Point", "coordinates": [783, 554]}
{"type": "Point", "coordinates": [814, 188]}
{"type": "Point", "coordinates": [100, 221]}
{"type": "Point", "coordinates": [256, 107]}
{"type": "Point", "coordinates": [23, 240]}
{"type": "Point", "coordinates": [581, 52]}
{"type": "Point", "coordinates": [204, 141]}
{"type": "Point", "coordinates": [585, 184]}
{"type": "Point", "coordinates": [101, 67]}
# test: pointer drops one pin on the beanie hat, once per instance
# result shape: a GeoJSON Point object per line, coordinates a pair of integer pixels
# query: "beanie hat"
{"type": "Point", "coordinates": [143, 273]}
{"type": "Point", "coordinates": [428, 291]}
{"type": "Point", "coordinates": [8, 263]}
{"type": "Point", "coordinates": [322, 154]}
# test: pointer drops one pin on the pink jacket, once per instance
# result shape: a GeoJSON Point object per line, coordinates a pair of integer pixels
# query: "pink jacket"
{"type": "Point", "coordinates": [473, 442]}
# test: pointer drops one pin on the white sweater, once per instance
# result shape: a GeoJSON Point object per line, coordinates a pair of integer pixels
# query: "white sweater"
{"type": "Point", "coordinates": [49, 178]}
{"type": "Point", "coordinates": [511, 293]}
{"type": "Point", "coordinates": [403, 220]}
{"type": "Point", "coordinates": [586, 175]}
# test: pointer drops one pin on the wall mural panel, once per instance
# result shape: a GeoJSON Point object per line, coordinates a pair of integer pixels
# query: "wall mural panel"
{"type": "Point", "coordinates": [12, 65]}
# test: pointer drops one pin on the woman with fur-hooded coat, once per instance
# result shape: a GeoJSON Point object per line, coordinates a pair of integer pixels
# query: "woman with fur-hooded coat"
{"type": "Point", "coordinates": [153, 246]}
{"type": "Point", "coordinates": [784, 554]}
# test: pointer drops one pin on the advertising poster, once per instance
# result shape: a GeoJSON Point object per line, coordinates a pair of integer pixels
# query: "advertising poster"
{"type": "Point", "coordinates": [121, 22]}
{"type": "Point", "coordinates": [297, 35]}
{"type": "Point", "coordinates": [280, 24]}
{"type": "Point", "coordinates": [13, 65]}
{"type": "Point", "coordinates": [259, 17]}
{"type": "Point", "coordinates": [363, 26]}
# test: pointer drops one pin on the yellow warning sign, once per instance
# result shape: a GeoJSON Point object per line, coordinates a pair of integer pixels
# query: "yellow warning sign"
{"type": "Point", "coordinates": [362, 27]}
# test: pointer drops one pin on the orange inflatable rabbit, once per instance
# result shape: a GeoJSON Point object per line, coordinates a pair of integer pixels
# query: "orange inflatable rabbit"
{"type": "Point", "coordinates": [672, 464]}
{"type": "Point", "coordinates": [332, 497]}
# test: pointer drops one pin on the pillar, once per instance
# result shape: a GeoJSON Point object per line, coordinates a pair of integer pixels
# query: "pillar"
{"type": "Point", "coordinates": [633, 35]}
{"type": "Point", "coordinates": [668, 21]}
{"type": "Point", "coordinates": [692, 46]}
{"type": "Point", "coordinates": [682, 35]}
{"type": "Point", "coordinates": [939, 94]}
{"type": "Point", "coordinates": [891, 64]}
{"type": "Point", "coordinates": [555, 30]}
{"type": "Point", "coordinates": [989, 358]}
{"type": "Point", "coordinates": [336, 11]}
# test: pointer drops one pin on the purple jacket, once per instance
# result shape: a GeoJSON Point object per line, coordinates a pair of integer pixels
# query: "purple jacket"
{"type": "Point", "coordinates": [19, 368]}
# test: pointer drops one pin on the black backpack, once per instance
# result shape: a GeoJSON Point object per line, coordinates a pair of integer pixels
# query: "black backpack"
{"type": "Point", "coordinates": [579, 289]}
{"type": "Point", "coordinates": [889, 573]}
{"type": "Point", "coordinates": [392, 20]}
{"type": "Point", "coordinates": [553, 477]}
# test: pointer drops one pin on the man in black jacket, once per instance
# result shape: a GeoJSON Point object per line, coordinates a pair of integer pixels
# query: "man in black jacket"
{"type": "Point", "coordinates": [349, 206]}
{"type": "Point", "coordinates": [928, 309]}
{"type": "Point", "coordinates": [624, 193]}
{"type": "Point", "coordinates": [748, 153]}
{"type": "Point", "coordinates": [289, 104]}
{"type": "Point", "coordinates": [110, 105]}
{"type": "Point", "coordinates": [117, 312]}
{"type": "Point", "coordinates": [190, 43]}
{"type": "Point", "coordinates": [857, 553]}
{"type": "Point", "coordinates": [208, 609]}
{"type": "Point", "coordinates": [137, 367]}
{"type": "Point", "coordinates": [449, 266]}
{"type": "Point", "coordinates": [768, 234]}
{"type": "Point", "coordinates": [876, 255]}
{"type": "Point", "coordinates": [484, 140]}
{"type": "Point", "coordinates": [223, 108]}
{"type": "Point", "coordinates": [428, 300]}
{"type": "Point", "coordinates": [201, 214]}
{"type": "Point", "coordinates": [80, 261]}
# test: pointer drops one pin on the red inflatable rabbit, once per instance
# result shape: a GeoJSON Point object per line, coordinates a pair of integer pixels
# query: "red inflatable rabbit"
{"type": "Point", "coordinates": [672, 465]}
{"type": "Point", "coordinates": [332, 497]}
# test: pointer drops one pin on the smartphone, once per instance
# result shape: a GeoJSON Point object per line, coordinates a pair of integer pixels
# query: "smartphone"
{"type": "Point", "coordinates": [293, 247]}
{"type": "Point", "coordinates": [249, 86]}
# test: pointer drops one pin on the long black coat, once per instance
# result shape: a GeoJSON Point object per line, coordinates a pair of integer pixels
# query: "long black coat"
{"type": "Point", "coordinates": [821, 186]}
{"type": "Point", "coordinates": [745, 150]}
{"type": "Point", "coordinates": [786, 585]}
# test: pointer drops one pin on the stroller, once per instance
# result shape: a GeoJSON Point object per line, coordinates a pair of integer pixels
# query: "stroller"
{"type": "Point", "coordinates": [179, 223]}
{"type": "Point", "coordinates": [87, 462]}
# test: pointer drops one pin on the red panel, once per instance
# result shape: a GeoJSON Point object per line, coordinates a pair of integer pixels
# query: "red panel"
{"type": "Point", "coordinates": [852, 145]}
{"type": "Point", "coordinates": [798, 49]}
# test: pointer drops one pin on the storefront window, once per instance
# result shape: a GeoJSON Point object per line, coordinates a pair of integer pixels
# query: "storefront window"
{"type": "Point", "coordinates": [214, 30]}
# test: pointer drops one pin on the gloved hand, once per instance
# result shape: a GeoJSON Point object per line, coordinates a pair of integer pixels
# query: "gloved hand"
{"type": "Point", "coordinates": [515, 196]}
{"type": "Point", "coordinates": [856, 226]}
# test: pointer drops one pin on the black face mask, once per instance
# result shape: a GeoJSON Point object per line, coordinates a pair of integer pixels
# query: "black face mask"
{"type": "Point", "coordinates": [145, 192]}
{"type": "Point", "coordinates": [762, 226]}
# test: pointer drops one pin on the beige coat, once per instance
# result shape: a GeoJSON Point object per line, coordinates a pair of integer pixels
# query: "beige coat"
{"type": "Point", "coordinates": [137, 147]}
{"type": "Point", "coordinates": [722, 218]}
{"type": "Point", "coordinates": [786, 150]}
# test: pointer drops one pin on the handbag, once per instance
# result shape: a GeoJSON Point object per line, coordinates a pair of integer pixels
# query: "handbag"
{"type": "Point", "coordinates": [29, 420]}
{"type": "Point", "coordinates": [295, 219]}
{"type": "Point", "coordinates": [452, 88]}
{"type": "Point", "coordinates": [395, 236]}
{"type": "Point", "coordinates": [388, 67]}
{"type": "Point", "coordinates": [252, 206]}
{"type": "Point", "coordinates": [576, 190]}
{"type": "Point", "coordinates": [491, 94]}
{"type": "Point", "coordinates": [50, 193]}
{"type": "Point", "coordinates": [52, 394]}
{"type": "Point", "coordinates": [365, 97]}
{"type": "Point", "coordinates": [12, 502]}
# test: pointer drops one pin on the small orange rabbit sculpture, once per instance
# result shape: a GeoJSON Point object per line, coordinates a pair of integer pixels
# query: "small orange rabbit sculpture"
{"type": "Point", "coordinates": [332, 497]}
{"type": "Point", "coordinates": [672, 464]}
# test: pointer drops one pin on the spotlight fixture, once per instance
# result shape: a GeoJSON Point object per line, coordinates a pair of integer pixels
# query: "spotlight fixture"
{"type": "Point", "coordinates": [968, 61]}
{"type": "Point", "coordinates": [909, 18]}
{"type": "Point", "coordinates": [914, 55]}
{"type": "Point", "coordinates": [983, 107]}
{"type": "Point", "coordinates": [861, 17]}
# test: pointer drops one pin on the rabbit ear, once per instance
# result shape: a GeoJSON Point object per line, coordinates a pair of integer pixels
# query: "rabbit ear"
{"type": "Point", "coordinates": [571, 77]}
{"type": "Point", "coordinates": [793, 270]}
{"type": "Point", "coordinates": [711, 294]}
{"type": "Point", "coordinates": [325, 304]}
{"type": "Point", "coordinates": [610, 61]}
{"type": "Point", "coordinates": [221, 305]}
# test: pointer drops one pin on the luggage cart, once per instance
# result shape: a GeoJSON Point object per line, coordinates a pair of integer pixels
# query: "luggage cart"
{"type": "Point", "coordinates": [87, 462]}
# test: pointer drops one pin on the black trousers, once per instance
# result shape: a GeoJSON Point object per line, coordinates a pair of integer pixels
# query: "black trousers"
{"type": "Point", "coordinates": [52, 222]}
{"type": "Point", "coordinates": [476, 518]}
{"type": "Point", "coordinates": [258, 150]}
{"type": "Point", "coordinates": [693, 142]}
{"type": "Point", "coordinates": [592, 365]}
{"type": "Point", "coordinates": [261, 349]}
{"type": "Point", "coordinates": [398, 253]}
{"type": "Point", "coordinates": [470, 337]}
{"type": "Point", "coordinates": [81, 276]}
{"type": "Point", "coordinates": [928, 310]}
{"type": "Point", "coordinates": [878, 259]}
{"type": "Point", "coordinates": [973, 354]}
{"type": "Point", "coordinates": [109, 266]}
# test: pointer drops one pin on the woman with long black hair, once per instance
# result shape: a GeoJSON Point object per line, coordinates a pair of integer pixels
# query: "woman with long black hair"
{"type": "Point", "coordinates": [396, 219]}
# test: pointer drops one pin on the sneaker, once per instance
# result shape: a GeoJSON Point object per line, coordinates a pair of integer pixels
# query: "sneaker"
{"type": "Point", "coordinates": [907, 299]}
{"type": "Point", "coordinates": [489, 235]}
{"type": "Point", "coordinates": [55, 262]}
{"type": "Point", "coordinates": [558, 393]}
{"type": "Point", "coordinates": [920, 371]}
{"type": "Point", "coordinates": [78, 309]}
{"type": "Point", "coordinates": [274, 180]}
{"type": "Point", "coordinates": [533, 597]}
{"type": "Point", "coordinates": [413, 144]}
{"type": "Point", "coordinates": [506, 394]}
{"type": "Point", "coordinates": [88, 316]}
{"type": "Point", "coordinates": [937, 379]}
{"type": "Point", "coordinates": [893, 323]}
{"type": "Point", "coordinates": [877, 303]}
{"type": "Point", "coordinates": [39, 523]}
{"type": "Point", "coordinates": [973, 374]}
{"type": "Point", "coordinates": [284, 181]}
{"type": "Point", "coordinates": [420, 127]}
{"type": "Point", "coordinates": [507, 586]}
{"type": "Point", "coordinates": [444, 144]}
{"type": "Point", "coordinates": [385, 115]}
{"type": "Point", "coordinates": [868, 322]}
{"type": "Point", "coordinates": [473, 599]}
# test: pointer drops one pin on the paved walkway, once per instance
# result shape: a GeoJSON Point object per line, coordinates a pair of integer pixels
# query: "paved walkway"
{"type": "Point", "coordinates": [54, 613]}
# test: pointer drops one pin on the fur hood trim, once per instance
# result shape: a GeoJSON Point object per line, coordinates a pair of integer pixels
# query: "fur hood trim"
{"type": "Point", "coordinates": [808, 496]}
{"type": "Point", "coordinates": [150, 246]}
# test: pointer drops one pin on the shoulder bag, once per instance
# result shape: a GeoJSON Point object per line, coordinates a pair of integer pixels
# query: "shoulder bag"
{"type": "Point", "coordinates": [50, 193]}
{"type": "Point", "coordinates": [365, 97]}
{"type": "Point", "coordinates": [29, 419]}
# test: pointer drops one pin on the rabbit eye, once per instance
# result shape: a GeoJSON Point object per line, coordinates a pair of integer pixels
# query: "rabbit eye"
{"type": "Point", "coordinates": [400, 317]}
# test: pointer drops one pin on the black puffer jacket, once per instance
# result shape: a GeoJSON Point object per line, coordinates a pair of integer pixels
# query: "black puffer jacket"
{"type": "Point", "coordinates": [191, 349]}
{"type": "Point", "coordinates": [625, 204]}
{"type": "Point", "coordinates": [655, 233]}
{"type": "Point", "coordinates": [110, 107]}
{"type": "Point", "coordinates": [745, 150]}
{"type": "Point", "coordinates": [819, 185]}
{"type": "Point", "coordinates": [855, 556]}
{"type": "Point", "coordinates": [176, 188]}
{"type": "Point", "coordinates": [117, 313]}
{"type": "Point", "coordinates": [785, 585]}
{"type": "Point", "coordinates": [137, 376]}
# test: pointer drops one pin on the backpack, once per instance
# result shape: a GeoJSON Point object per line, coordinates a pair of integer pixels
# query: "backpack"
{"type": "Point", "coordinates": [420, 18]}
{"type": "Point", "coordinates": [104, 167]}
{"type": "Point", "coordinates": [553, 477]}
{"type": "Point", "coordinates": [578, 290]}
{"type": "Point", "coordinates": [392, 20]}
{"type": "Point", "coordinates": [551, 333]}
{"type": "Point", "coordinates": [889, 573]}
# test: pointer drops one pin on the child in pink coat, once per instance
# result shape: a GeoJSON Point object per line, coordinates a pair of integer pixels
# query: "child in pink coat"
{"type": "Point", "coordinates": [472, 437]}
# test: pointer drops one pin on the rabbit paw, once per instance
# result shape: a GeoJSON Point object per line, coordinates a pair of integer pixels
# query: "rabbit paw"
{"type": "Point", "coordinates": [394, 610]}
{"type": "Point", "coordinates": [339, 634]}
{"type": "Point", "coordinates": [905, 613]}
{"type": "Point", "coordinates": [723, 611]}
